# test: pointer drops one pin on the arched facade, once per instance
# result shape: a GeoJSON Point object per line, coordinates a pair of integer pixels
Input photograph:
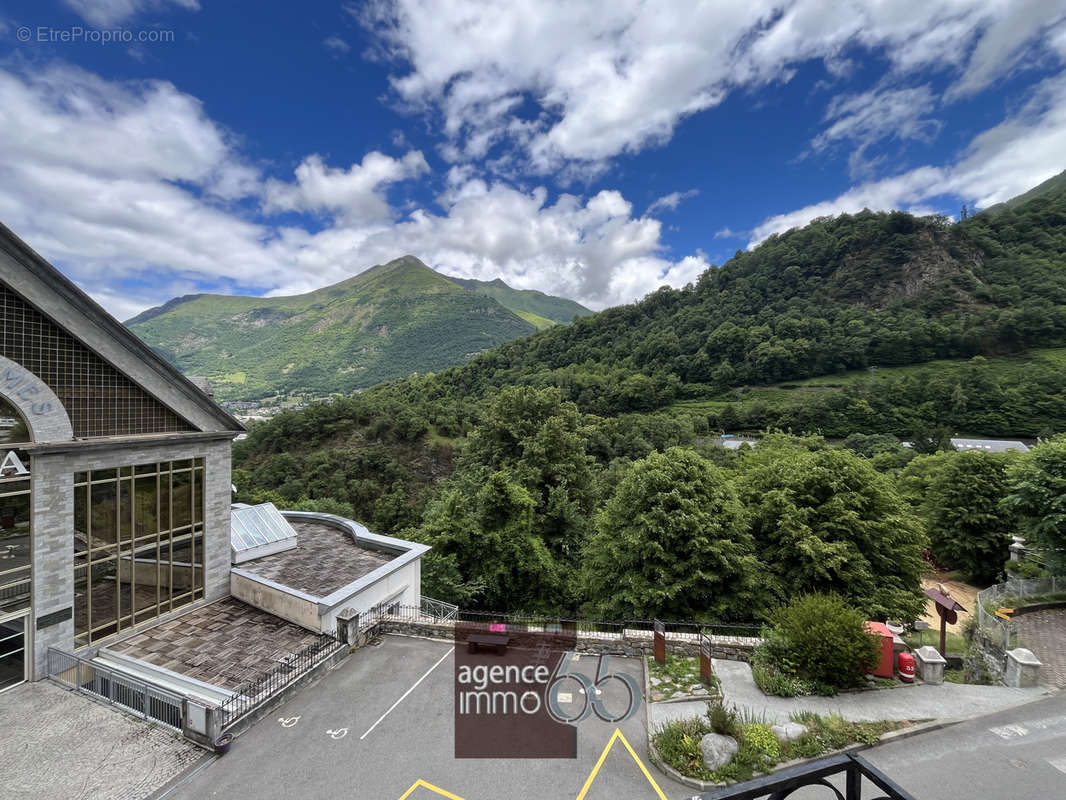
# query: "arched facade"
{"type": "Point", "coordinates": [116, 512]}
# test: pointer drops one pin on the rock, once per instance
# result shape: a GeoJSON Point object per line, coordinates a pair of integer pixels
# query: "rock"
{"type": "Point", "coordinates": [655, 681]}
{"type": "Point", "coordinates": [696, 687]}
{"type": "Point", "coordinates": [718, 750]}
{"type": "Point", "coordinates": [788, 732]}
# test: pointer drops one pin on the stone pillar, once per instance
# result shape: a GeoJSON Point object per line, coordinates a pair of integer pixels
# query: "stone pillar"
{"type": "Point", "coordinates": [1017, 548]}
{"type": "Point", "coordinates": [929, 664]}
{"type": "Point", "coordinates": [1023, 669]}
{"type": "Point", "coordinates": [348, 626]}
{"type": "Point", "coordinates": [217, 500]}
{"type": "Point", "coordinates": [52, 525]}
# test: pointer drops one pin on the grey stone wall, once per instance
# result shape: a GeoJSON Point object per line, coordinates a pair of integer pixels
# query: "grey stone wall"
{"type": "Point", "coordinates": [722, 647]}
{"type": "Point", "coordinates": [52, 476]}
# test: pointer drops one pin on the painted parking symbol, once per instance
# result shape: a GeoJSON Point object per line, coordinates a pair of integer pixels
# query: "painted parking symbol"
{"type": "Point", "coordinates": [288, 722]}
{"type": "Point", "coordinates": [340, 733]}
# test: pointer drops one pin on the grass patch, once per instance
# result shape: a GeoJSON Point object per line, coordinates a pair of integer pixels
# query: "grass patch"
{"type": "Point", "coordinates": [676, 678]}
{"type": "Point", "coordinates": [955, 642]}
{"type": "Point", "coordinates": [678, 743]}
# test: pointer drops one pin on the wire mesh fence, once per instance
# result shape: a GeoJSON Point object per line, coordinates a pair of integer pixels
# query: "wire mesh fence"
{"type": "Point", "coordinates": [1001, 629]}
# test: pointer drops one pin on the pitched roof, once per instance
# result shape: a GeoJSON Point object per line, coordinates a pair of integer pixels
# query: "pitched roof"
{"type": "Point", "coordinates": [59, 300]}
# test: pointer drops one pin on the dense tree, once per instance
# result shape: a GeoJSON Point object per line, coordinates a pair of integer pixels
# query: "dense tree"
{"type": "Point", "coordinates": [968, 528]}
{"type": "Point", "coordinates": [489, 555]}
{"type": "Point", "coordinates": [825, 521]}
{"type": "Point", "coordinates": [671, 543]}
{"type": "Point", "coordinates": [1038, 495]}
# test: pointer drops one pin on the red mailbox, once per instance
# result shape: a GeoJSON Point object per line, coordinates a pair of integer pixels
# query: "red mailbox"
{"type": "Point", "coordinates": [886, 661]}
{"type": "Point", "coordinates": [906, 667]}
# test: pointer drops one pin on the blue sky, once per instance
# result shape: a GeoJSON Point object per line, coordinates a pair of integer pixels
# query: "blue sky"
{"type": "Point", "coordinates": [593, 150]}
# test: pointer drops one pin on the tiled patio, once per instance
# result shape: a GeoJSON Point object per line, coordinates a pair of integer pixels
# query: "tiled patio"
{"type": "Point", "coordinates": [325, 559]}
{"type": "Point", "coordinates": [224, 643]}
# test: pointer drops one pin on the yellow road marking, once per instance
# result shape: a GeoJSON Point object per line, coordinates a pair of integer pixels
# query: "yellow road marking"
{"type": "Point", "coordinates": [603, 757]}
{"type": "Point", "coordinates": [421, 784]}
{"type": "Point", "coordinates": [617, 735]}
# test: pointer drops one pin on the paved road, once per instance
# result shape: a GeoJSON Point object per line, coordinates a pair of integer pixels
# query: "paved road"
{"type": "Point", "coordinates": [293, 754]}
{"type": "Point", "coordinates": [1019, 754]}
{"type": "Point", "coordinates": [948, 700]}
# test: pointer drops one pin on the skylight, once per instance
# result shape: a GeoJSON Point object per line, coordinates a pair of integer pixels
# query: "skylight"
{"type": "Point", "coordinates": [257, 531]}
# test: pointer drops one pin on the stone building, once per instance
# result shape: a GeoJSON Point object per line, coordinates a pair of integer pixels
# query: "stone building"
{"type": "Point", "coordinates": [115, 478]}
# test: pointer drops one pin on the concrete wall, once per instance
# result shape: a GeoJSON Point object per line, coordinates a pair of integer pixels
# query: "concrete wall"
{"type": "Point", "coordinates": [403, 586]}
{"type": "Point", "coordinates": [285, 603]}
{"type": "Point", "coordinates": [52, 479]}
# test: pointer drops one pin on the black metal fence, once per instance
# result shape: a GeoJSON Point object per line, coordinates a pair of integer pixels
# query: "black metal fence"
{"type": "Point", "coordinates": [253, 693]}
{"type": "Point", "coordinates": [619, 629]}
{"type": "Point", "coordinates": [853, 768]}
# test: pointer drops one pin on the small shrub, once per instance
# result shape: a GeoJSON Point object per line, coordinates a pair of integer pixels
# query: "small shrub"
{"type": "Point", "coordinates": [762, 739]}
{"type": "Point", "coordinates": [823, 640]}
{"type": "Point", "coordinates": [678, 744]}
{"type": "Point", "coordinates": [772, 681]}
{"type": "Point", "coordinates": [723, 720]}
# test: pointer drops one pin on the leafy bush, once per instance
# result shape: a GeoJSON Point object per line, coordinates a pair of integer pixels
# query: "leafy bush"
{"type": "Point", "coordinates": [723, 720]}
{"type": "Point", "coordinates": [819, 638]}
{"type": "Point", "coordinates": [761, 738]}
{"type": "Point", "coordinates": [678, 744]}
{"type": "Point", "coordinates": [1025, 569]}
{"type": "Point", "coordinates": [772, 681]}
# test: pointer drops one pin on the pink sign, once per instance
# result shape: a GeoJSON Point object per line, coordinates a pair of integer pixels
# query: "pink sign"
{"type": "Point", "coordinates": [497, 627]}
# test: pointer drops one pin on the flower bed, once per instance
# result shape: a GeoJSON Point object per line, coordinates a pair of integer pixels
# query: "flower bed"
{"type": "Point", "coordinates": [678, 742]}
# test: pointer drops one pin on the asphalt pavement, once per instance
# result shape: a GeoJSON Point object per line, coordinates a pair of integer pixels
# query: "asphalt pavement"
{"type": "Point", "coordinates": [383, 721]}
{"type": "Point", "coordinates": [1018, 754]}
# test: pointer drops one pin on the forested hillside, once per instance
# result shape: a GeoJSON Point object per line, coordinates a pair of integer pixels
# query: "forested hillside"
{"type": "Point", "coordinates": [385, 323]}
{"type": "Point", "coordinates": [574, 470]}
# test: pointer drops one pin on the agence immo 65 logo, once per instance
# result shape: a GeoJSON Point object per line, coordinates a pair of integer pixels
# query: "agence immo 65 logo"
{"type": "Point", "coordinates": [519, 694]}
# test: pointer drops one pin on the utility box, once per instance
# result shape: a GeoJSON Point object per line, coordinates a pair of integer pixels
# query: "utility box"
{"type": "Point", "coordinates": [885, 667]}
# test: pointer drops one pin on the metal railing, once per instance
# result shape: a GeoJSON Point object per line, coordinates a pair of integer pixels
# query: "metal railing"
{"type": "Point", "coordinates": [137, 697]}
{"type": "Point", "coordinates": [853, 767]}
{"type": "Point", "coordinates": [602, 629]}
{"type": "Point", "coordinates": [991, 599]}
{"type": "Point", "coordinates": [251, 694]}
{"type": "Point", "coordinates": [438, 609]}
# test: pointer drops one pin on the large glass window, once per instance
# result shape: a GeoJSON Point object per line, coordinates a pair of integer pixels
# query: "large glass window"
{"type": "Point", "coordinates": [14, 511]}
{"type": "Point", "coordinates": [138, 545]}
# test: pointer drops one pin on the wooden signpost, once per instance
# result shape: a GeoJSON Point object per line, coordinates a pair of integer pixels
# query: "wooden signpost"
{"type": "Point", "coordinates": [706, 673]}
{"type": "Point", "coordinates": [660, 642]}
{"type": "Point", "coordinates": [947, 607]}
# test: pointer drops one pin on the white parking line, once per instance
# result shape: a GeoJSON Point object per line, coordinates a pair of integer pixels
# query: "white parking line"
{"type": "Point", "coordinates": [404, 695]}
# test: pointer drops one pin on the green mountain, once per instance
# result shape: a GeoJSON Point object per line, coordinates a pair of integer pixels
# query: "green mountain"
{"type": "Point", "coordinates": [1050, 186]}
{"type": "Point", "coordinates": [536, 307]}
{"type": "Point", "coordinates": [389, 321]}
{"type": "Point", "coordinates": [843, 293]}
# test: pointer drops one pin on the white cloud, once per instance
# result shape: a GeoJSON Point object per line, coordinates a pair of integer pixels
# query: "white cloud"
{"type": "Point", "coordinates": [727, 233]}
{"type": "Point", "coordinates": [336, 44]}
{"type": "Point", "coordinates": [670, 202]}
{"type": "Point", "coordinates": [131, 184]}
{"type": "Point", "coordinates": [882, 113]}
{"type": "Point", "coordinates": [609, 78]}
{"type": "Point", "coordinates": [1004, 161]}
{"type": "Point", "coordinates": [355, 194]}
{"type": "Point", "coordinates": [103, 13]}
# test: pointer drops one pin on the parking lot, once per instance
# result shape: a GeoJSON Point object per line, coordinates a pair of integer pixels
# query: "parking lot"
{"type": "Point", "coordinates": [383, 721]}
